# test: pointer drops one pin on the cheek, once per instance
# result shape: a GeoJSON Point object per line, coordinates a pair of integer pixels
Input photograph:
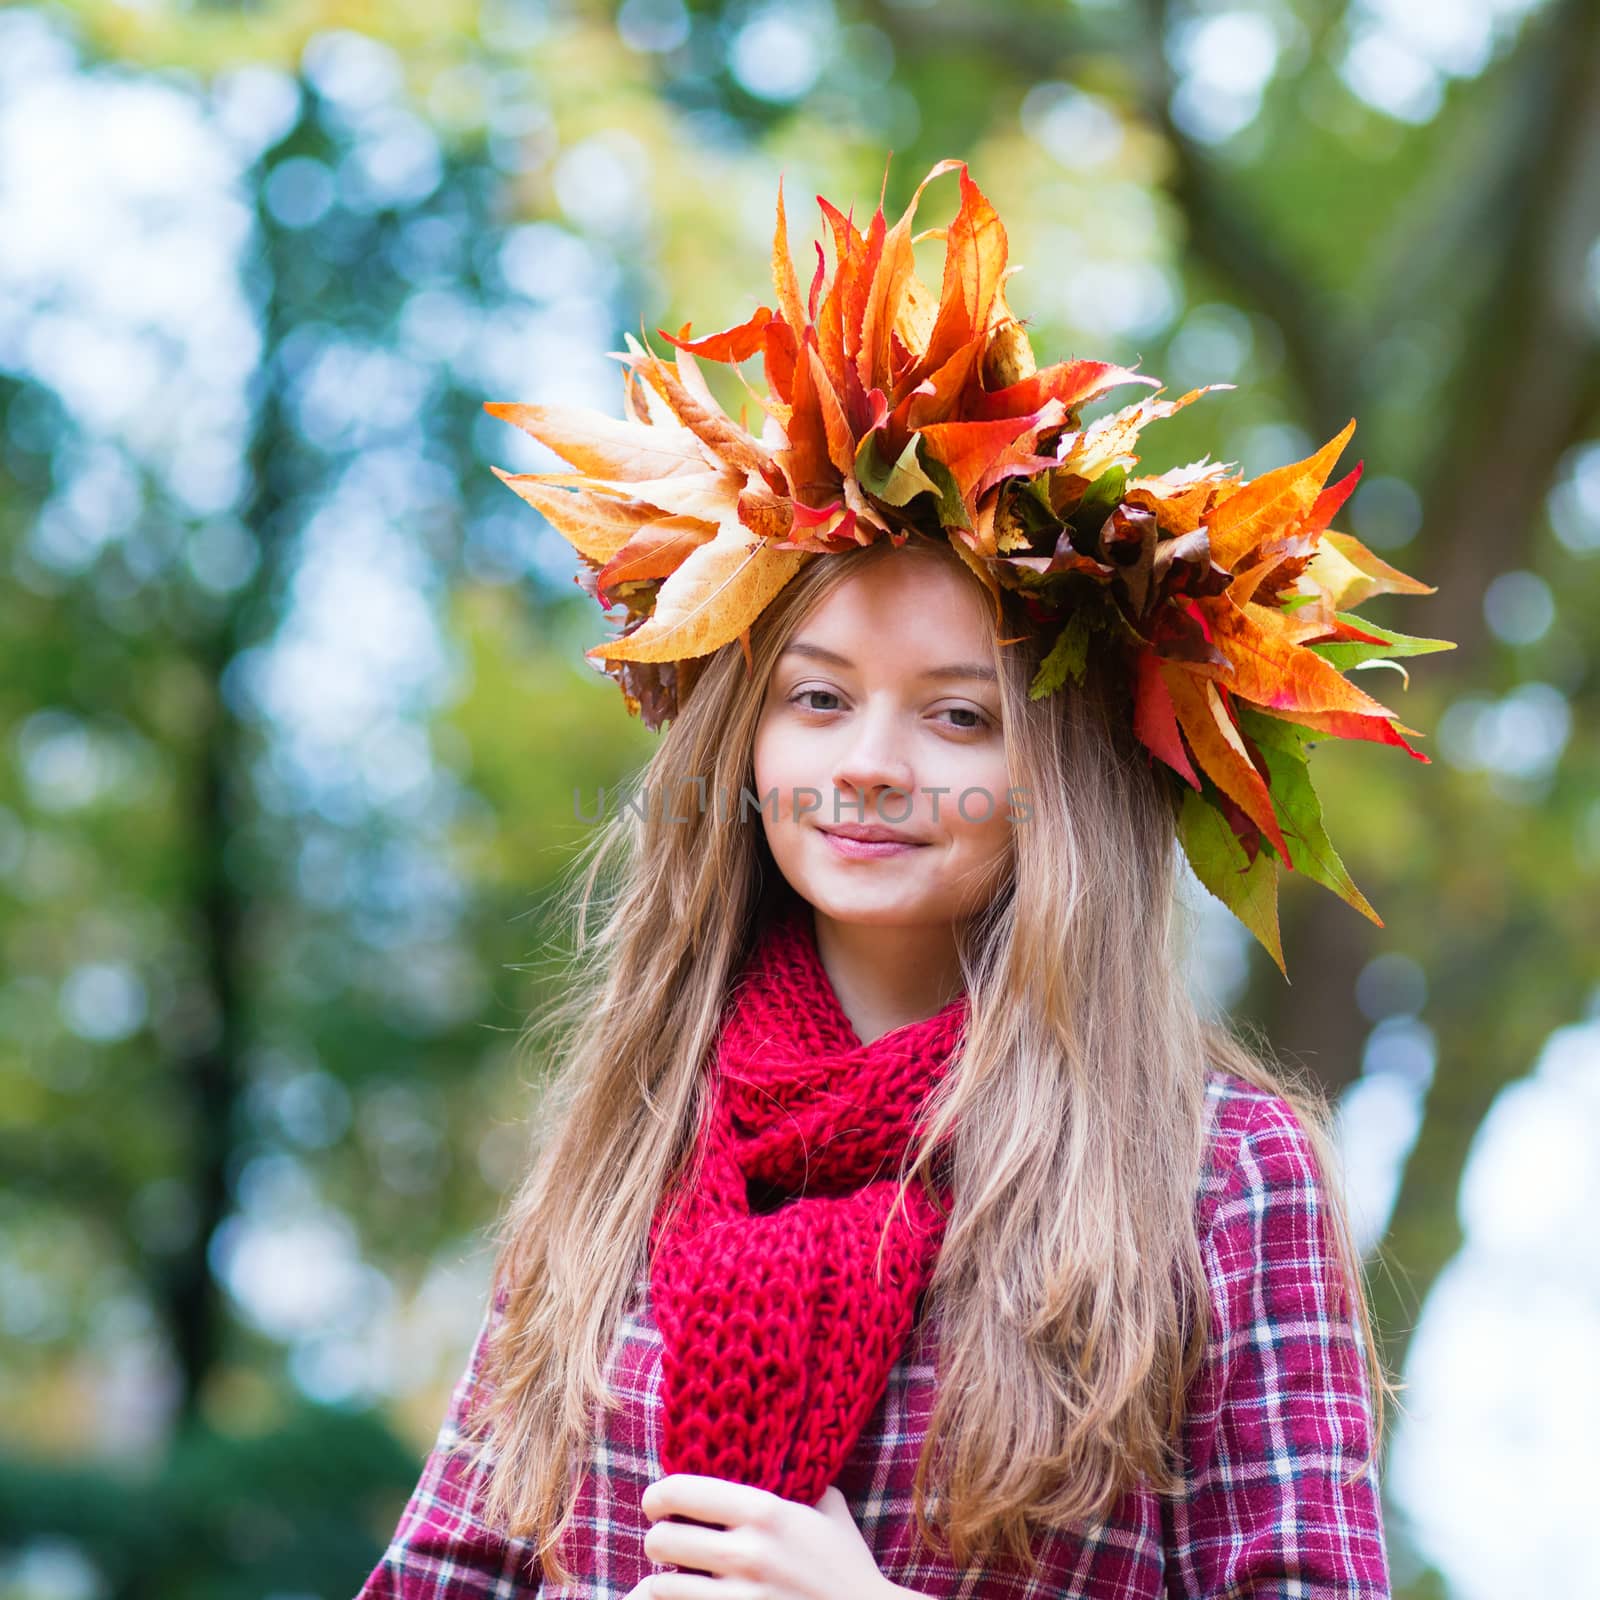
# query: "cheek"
{"type": "Point", "coordinates": [980, 828]}
{"type": "Point", "coordinates": [979, 800]}
{"type": "Point", "coordinates": [766, 759]}
{"type": "Point", "coordinates": [776, 764]}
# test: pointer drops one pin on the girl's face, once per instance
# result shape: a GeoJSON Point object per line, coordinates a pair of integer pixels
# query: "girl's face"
{"type": "Point", "coordinates": [882, 715]}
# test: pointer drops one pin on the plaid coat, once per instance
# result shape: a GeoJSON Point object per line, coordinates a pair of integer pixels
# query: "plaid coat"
{"type": "Point", "coordinates": [1279, 1414]}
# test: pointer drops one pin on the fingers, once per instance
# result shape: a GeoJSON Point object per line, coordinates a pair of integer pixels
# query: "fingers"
{"type": "Point", "coordinates": [722, 1552]}
{"type": "Point", "coordinates": [711, 1500]}
{"type": "Point", "coordinates": [832, 1499]}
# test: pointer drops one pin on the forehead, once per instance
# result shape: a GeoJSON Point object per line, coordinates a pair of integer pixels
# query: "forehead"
{"type": "Point", "coordinates": [802, 648]}
{"type": "Point", "coordinates": [911, 605]}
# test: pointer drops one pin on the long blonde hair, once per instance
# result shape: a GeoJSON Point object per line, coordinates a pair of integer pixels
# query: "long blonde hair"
{"type": "Point", "coordinates": [1070, 1288]}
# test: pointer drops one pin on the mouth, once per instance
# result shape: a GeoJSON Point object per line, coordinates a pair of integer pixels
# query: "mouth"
{"type": "Point", "coordinates": [855, 842]}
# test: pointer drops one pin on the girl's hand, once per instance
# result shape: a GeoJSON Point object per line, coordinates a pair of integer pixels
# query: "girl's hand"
{"type": "Point", "coordinates": [764, 1547]}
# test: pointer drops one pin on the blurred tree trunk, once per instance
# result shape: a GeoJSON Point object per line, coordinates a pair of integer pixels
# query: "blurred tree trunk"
{"type": "Point", "coordinates": [186, 1290]}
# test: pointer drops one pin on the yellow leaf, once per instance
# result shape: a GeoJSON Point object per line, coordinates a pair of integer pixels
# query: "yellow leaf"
{"type": "Point", "coordinates": [716, 594]}
{"type": "Point", "coordinates": [783, 274]}
{"type": "Point", "coordinates": [702, 416]}
{"type": "Point", "coordinates": [605, 447]}
{"type": "Point", "coordinates": [710, 496]}
{"type": "Point", "coordinates": [1109, 440]}
{"type": "Point", "coordinates": [1349, 573]}
{"type": "Point", "coordinates": [596, 525]}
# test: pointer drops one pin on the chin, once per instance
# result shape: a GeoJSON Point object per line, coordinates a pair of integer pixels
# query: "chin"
{"type": "Point", "coordinates": [864, 907]}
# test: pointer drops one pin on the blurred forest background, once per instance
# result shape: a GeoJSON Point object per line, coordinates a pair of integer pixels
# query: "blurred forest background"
{"type": "Point", "coordinates": [293, 711]}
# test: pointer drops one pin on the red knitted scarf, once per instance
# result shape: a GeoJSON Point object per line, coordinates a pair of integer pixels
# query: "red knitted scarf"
{"type": "Point", "coordinates": [777, 1335]}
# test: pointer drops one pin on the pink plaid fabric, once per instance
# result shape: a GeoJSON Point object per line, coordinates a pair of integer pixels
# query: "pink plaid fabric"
{"type": "Point", "coordinates": [1279, 1415]}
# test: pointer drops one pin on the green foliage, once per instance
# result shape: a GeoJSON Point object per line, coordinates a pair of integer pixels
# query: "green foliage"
{"type": "Point", "coordinates": [1348, 653]}
{"type": "Point", "coordinates": [332, 988]}
{"type": "Point", "coordinates": [1068, 656]}
{"type": "Point", "coordinates": [302, 1508]}
{"type": "Point", "coordinates": [952, 508]}
{"type": "Point", "coordinates": [1244, 884]}
{"type": "Point", "coordinates": [902, 481]}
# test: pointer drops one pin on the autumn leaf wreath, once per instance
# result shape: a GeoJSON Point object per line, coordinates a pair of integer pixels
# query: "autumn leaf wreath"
{"type": "Point", "coordinates": [890, 410]}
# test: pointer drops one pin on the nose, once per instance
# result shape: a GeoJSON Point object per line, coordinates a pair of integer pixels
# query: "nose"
{"type": "Point", "coordinates": [872, 770]}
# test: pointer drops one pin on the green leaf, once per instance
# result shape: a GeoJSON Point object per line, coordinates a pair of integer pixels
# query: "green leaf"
{"type": "Point", "coordinates": [1069, 656]}
{"type": "Point", "coordinates": [1105, 493]}
{"type": "Point", "coordinates": [1346, 653]}
{"type": "Point", "coordinates": [952, 508]}
{"type": "Point", "coordinates": [897, 484]}
{"type": "Point", "coordinates": [1100, 499]}
{"type": "Point", "coordinates": [1036, 491]}
{"type": "Point", "coordinates": [1249, 889]}
{"type": "Point", "coordinates": [1037, 517]}
{"type": "Point", "coordinates": [1266, 729]}
{"type": "Point", "coordinates": [1298, 808]}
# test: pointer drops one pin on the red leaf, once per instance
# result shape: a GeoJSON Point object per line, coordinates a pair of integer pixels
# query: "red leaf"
{"type": "Point", "coordinates": [732, 344]}
{"type": "Point", "coordinates": [1154, 719]}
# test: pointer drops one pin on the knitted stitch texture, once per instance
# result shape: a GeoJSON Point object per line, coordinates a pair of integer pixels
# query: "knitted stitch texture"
{"type": "Point", "coordinates": [778, 1337]}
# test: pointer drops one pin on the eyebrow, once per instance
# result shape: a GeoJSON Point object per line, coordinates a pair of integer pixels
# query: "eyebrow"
{"type": "Point", "coordinates": [956, 669]}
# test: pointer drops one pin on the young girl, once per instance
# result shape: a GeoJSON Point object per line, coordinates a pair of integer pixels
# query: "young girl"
{"type": "Point", "coordinates": [898, 1226]}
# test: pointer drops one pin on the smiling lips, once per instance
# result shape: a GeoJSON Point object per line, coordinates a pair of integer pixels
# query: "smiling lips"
{"type": "Point", "coordinates": [868, 843]}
